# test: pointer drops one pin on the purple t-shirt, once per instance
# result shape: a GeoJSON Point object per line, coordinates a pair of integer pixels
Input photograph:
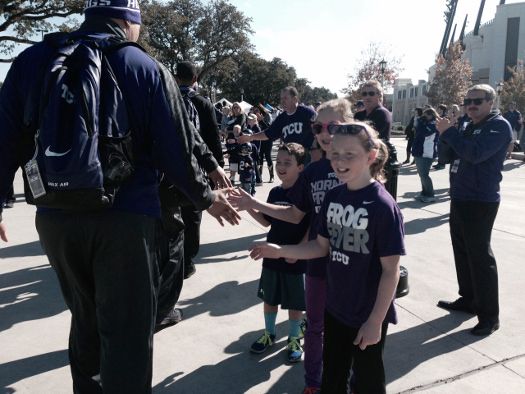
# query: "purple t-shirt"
{"type": "Point", "coordinates": [284, 233]}
{"type": "Point", "coordinates": [361, 226]}
{"type": "Point", "coordinates": [307, 195]}
{"type": "Point", "coordinates": [293, 128]}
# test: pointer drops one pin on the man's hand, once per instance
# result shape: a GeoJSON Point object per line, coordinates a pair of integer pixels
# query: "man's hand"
{"type": "Point", "coordinates": [369, 334]}
{"type": "Point", "coordinates": [241, 200]}
{"type": "Point", "coordinates": [3, 232]}
{"type": "Point", "coordinates": [443, 124]}
{"type": "Point", "coordinates": [243, 138]}
{"type": "Point", "coordinates": [219, 178]}
{"type": "Point", "coordinates": [221, 208]}
{"type": "Point", "coordinates": [258, 250]}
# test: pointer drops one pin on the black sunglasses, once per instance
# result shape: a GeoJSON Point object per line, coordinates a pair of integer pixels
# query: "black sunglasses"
{"type": "Point", "coordinates": [371, 94]}
{"type": "Point", "coordinates": [475, 101]}
{"type": "Point", "coordinates": [335, 128]}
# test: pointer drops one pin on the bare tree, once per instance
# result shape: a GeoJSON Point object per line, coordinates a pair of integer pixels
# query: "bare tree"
{"type": "Point", "coordinates": [452, 78]}
{"type": "Point", "coordinates": [369, 67]}
{"type": "Point", "coordinates": [514, 88]}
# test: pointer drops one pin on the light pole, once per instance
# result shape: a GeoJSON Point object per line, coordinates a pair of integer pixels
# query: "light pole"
{"type": "Point", "coordinates": [382, 64]}
{"type": "Point", "coordinates": [499, 89]}
{"type": "Point", "coordinates": [242, 94]}
{"type": "Point", "coordinates": [42, 31]}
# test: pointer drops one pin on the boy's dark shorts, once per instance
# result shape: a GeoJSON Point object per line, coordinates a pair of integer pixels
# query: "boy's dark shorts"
{"type": "Point", "coordinates": [279, 288]}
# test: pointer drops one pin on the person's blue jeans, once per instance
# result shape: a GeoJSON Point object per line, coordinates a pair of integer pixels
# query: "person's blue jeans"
{"type": "Point", "coordinates": [423, 165]}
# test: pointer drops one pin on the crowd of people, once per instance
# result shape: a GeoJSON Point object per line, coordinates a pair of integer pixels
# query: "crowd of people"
{"type": "Point", "coordinates": [336, 233]}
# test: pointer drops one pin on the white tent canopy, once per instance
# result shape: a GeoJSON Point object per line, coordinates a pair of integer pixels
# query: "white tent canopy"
{"type": "Point", "coordinates": [223, 102]}
{"type": "Point", "coordinates": [245, 106]}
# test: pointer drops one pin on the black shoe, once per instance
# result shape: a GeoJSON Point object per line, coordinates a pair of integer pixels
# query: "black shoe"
{"type": "Point", "coordinates": [9, 204]}
{"type": "Point", "coordinates": [484, 328]}
{"type": "Point", "coordinates": [174, 317]}
{"type": "Point", "coordinates": [189, 270]}
{"type": "Point", "coordinates": [459, 305]}
{"type": "Point", "coordinates": [438, 166]}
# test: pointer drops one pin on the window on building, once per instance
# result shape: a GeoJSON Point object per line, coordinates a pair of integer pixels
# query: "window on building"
{"type": "Point", "coordinates": [404, 94]}
{"type": "Point", "coordinates": [411, 92]}
{"type": "Point", "coordinates": [415, 91]}
{"type": "Point", "coordinates": [399, 94]}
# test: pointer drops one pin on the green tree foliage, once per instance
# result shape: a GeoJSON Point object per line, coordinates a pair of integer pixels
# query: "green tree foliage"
{"type": "Point", "coordinates": [453, 76]}
{"type": "Point", "coordinates": [22, 22]}
{"type": "Point", "coordinates": [313, 95]}
{"type": "Point", "coordinates": [207, 34]}
{"type": "Point", "coordinates": [260, 80]}
{"type": "Point", "coordinates": [514, 88]}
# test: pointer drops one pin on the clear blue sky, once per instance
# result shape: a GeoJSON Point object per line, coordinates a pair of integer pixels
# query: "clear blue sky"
{"type": "Point", "coordinates": [324, 40]}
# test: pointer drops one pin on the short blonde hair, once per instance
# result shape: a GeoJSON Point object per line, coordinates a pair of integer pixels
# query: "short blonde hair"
{"type": "Point", "coordinates": [340, 106]}
{"type": "Point", "coordinates": [372, 83]}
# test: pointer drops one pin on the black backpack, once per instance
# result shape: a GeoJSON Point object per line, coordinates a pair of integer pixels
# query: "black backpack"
{"type": "Point", "coordinates": [82, 133]}
{"type": "Point", "coordinates": [193, 114]}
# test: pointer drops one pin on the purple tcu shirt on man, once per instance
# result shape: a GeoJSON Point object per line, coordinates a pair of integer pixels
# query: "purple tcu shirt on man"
{"type": "Point", "coordinates": [361, 226]}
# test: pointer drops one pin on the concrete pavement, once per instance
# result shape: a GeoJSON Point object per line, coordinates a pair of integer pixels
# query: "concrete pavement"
{"type": "Point", "coordinates": [429, 350]}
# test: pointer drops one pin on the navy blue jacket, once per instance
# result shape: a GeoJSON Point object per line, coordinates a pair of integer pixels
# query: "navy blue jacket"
{"type": "Point", "coordinates": [163, 137]}
{"type": "Point", "coordinates": [479, 153]}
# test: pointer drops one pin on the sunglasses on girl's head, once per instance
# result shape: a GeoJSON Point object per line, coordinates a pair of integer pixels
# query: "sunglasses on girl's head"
{"type": "Point", "coordinates": [334, 128]}
{"type": "Point", "coordinates": [371, 94]}
{"type": "Point", "coordinates": [475, 101]}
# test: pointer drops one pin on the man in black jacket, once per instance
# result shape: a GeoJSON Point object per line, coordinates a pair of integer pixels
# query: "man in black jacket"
{"type": "Point", "coordinates": [186, 78]}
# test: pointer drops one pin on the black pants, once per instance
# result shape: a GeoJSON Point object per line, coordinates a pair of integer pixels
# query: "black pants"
{"type": "Point", "coordinates": [170, 261]}
{"type": "Point", "coordinates": [192, 232]}
{"type": "Point", "coordinates": [340, 355]}
{"type": "Point", "coordinates": [410, 142]}
{"type": "Point", "coordinates": [105, 263]}
{"type": "Point", "coordinates": [265, 152]}
{"type": "Point", "coordinates": [471, 225]}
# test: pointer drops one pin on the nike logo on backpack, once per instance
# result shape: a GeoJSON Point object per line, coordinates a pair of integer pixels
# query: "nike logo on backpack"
{"type": "Point", "coordinates": [50, 153]}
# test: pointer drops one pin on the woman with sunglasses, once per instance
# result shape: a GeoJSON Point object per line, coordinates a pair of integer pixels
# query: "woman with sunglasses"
{"type": "Point", "coordinates": [360, 233]}
{"type": "Point", "coordinates": [380, 117]}
{"type": "Point", "coordinates": [424, 150]}
{"type": "Point", "coordinates": [307, 195]}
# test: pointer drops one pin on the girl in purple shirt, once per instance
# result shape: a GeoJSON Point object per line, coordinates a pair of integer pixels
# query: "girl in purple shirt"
{"type": "Point", "coordinates": [361, 231]}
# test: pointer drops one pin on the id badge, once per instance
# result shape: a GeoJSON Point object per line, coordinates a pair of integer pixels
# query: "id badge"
{"type": "Point", "coordinates": [34, 179]}
{"type": "Point", "coordinates": [454, 167]}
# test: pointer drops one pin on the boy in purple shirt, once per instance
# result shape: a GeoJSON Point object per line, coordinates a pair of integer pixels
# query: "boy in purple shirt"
{"type": "Point", "coordinates": [280, 283]}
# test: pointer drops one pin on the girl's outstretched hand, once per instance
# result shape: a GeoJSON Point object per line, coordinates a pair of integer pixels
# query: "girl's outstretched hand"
{"type": "Point", "coordinates": [259, 250]}
{"type": "Point", "coordinates": [369, 334]}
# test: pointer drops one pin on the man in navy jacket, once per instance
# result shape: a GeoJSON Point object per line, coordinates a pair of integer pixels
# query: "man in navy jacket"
{"type": "Point", "coordinates": [475, 175]}
{"type": "Point", "coordinates": [106, 260]}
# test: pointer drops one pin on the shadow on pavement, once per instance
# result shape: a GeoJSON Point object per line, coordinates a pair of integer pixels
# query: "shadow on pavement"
{"type": "Point", "coordinates": [227, 246]}
{"type": "Point", "coordinates": [23, 250]}
{"type": "Point", "coordinates": [240, 372]}
{"type": "Point", "coordinates": [29, 294]}
{"type": "Point", "coordinates": [512, 165]}
{"type": "Point", "coordinates": [17, 370]}
{"type": "Point", "coordinates": [417, 226]}
{"type": "Point", "coordinates": [227, 298]}
{"type": "Point", "coordinates": [410, 348]}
